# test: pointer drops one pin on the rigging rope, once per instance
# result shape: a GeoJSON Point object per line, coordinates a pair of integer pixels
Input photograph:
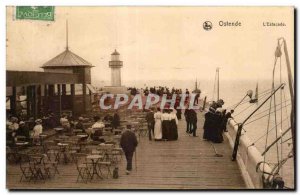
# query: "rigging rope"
{"type": "Point", "coordinates": [244, 110]}
{"type": "Point", "coordinates": [249, 106]}
{"type": "Point", "coordinates": [286, 140]}
{"type": "Point", "coordinates": [268, 131]}
{"type": "Point", "coordinates": [261, 117]}
{"type": "Point", "coordinates": [281, 163]}
{"type": "Point", "coordinates": [214, 87]}
{"type": "Point", "coordinates": [281, 127]}
{"type": "Point", "coordinates": [268, 109]}
{"type": "Point", "coordinates": [262, 94]}
{"type": "Point", "coordinates": [268, 125]}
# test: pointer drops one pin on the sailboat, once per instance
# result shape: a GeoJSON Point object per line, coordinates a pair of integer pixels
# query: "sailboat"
{"type": "Point", "coordinates": [255, 99]}
{"type": "Point", "coordinates": [196, 90]}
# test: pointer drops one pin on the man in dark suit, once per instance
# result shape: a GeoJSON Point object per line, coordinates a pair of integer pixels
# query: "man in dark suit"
{"type": "Point", "coordinates": [116, 120]}
{"type": "Point", "coordinates": [128, 143]}
{"type": "Point", "coordinates": [193, 121]}
{"type": "Point", "coordinates": [188, 120]}
{"type": "Point", "coordinates": [150, 120]}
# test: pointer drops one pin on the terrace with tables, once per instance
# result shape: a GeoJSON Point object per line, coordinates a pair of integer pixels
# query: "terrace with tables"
{"type": "Point", "coordinates": [80, 161]}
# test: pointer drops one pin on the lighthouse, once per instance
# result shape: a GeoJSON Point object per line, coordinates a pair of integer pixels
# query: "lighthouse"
{"type": "Point", "coordinates": [115, 65]}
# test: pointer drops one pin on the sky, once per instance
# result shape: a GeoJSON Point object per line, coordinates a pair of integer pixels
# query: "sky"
{"type": "Point", "coordinates": [156, 43]}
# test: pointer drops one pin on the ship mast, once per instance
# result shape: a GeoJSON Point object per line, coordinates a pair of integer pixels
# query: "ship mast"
{"type": "Point", "coordinates": [290, 79]}
{"type": "Point", "coordinates": [218, 89]}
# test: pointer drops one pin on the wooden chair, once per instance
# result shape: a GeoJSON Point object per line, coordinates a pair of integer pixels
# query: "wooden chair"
{"type": "Point", "coordinates": [82, 167]}
{"type": "Point", "coordinates": [37, 166]}
{"type": "Point", "coordinates": [25, 167]}
{"type": "Point", "coordinates": [107, 166]}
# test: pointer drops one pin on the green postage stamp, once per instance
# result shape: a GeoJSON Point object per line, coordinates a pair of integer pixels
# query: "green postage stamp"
{"type": "Point", "coordinates": [35, 13]}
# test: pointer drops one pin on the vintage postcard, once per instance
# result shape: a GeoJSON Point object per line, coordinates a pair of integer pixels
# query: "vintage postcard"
{"type": "Point", "coordinates": [151, 98]}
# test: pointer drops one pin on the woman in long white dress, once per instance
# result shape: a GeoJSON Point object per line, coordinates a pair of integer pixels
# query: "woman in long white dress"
{"type": "Point", "coordinates": [157, 126]}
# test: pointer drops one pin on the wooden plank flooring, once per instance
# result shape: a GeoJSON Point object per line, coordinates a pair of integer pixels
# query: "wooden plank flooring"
{"type": "Point", "coordinates": [189, 163]}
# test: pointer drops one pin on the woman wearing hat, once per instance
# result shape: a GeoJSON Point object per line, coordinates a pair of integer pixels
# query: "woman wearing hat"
{"type": "Point", "coordinates": [79, 124]}
{"type": "Point", "coordinates": [157, 125]}
{"type": "Point", "coordinates": [23, 130]}
{"type": "Point", "coordinates": [173, 132]}
{"type": "Point", "coordinates": [97, 129]}
{"type": "Point", "coordinates": [14, 126]}
{"type": "Point", "coordinates": [165, 118]}
{"type": "Point", "coordinates": [65, 122]}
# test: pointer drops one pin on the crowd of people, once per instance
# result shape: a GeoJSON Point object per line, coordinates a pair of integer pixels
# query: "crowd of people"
{"type": "Point", "coordinates": [27, 130]}
{"type": "Point", "coordinates": [215, 122]}
{"type": "Point", "coordinates": [30, 130]}
{"type": "Point", "coordinates": [162, 124]}
{"type": "Point", "coordinates": [156, 90]}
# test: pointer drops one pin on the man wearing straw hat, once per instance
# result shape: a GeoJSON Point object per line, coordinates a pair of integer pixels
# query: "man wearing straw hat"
{"type": "Point", "coordinates": [128, 143]}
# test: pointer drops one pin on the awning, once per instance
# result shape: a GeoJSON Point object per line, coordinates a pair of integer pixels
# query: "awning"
{"type": "Point", "coordinates": [91, 88]}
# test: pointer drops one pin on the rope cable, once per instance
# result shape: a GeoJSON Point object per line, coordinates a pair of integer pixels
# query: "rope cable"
{"type": "Point", "coordinates": [257, 114]}
{"type": "Point", "coordinates": [214, 86]}
{"type": "Point", "coordinates": [281, 127]}
{"type": "Point", "coordinates": [286, 140]}
{"type": "Point", "coordinates": [275, 117]}
{"type": "Point", "coordinates": [244, 110]}
{"type": "Point", "coordinates": [262, 94]}
{"type": "Point", "coordinates": [269, 131]}
{"type": "Point", "coordinates": [261, 117]}
{"type": "Point", "coordinates": [269, 117]}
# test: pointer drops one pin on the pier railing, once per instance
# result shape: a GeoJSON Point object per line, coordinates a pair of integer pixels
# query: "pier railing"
{"type": "Point", "coordinates": [250, 160]}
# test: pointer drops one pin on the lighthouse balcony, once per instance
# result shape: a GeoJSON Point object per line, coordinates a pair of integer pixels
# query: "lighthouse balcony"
{"type": "Point", "coordinates": [115, 64]}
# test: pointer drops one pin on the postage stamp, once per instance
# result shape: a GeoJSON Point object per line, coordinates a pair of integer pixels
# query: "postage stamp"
{"type": "Point", "coordinates": [35, 13]}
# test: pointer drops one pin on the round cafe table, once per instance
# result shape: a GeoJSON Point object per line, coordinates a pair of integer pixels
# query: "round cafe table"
{"type": "Point", "coordinates": [42, 137]}
{"type": "Point", "coordinates": [63, 150]}
{"type": "Point", "coordinates": [106, 148]}
{"type": "Point", "coordinates": [82, 135]}
{"type": "Point", "coordinates": [95, 159]}
{"type": "Point", "coordinates": [117, 131]}
{"type": "Point", "coordinates": [20, 144]}
{"type": "Point", "coordinates": [77, 131]}
{"type": "Point", "coordinates": [59, 130]}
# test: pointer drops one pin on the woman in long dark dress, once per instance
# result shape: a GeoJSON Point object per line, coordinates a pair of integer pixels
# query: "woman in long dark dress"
{"type": "Point", "coordinates": [165, 118]}
{"type": "Point", "coordinates": [209, 124]}
{"type": "Point", "coordinates": [178, 114]}
{"type": "Point", "coordinates": [217, 136]}
{"type": "Point", "coordinates": [173, 131]}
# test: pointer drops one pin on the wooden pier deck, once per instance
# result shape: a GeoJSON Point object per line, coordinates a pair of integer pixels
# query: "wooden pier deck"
{"type": "Point", "coordinates": [189, 163]}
